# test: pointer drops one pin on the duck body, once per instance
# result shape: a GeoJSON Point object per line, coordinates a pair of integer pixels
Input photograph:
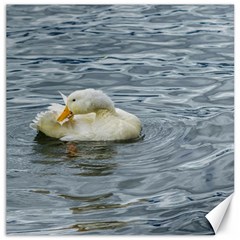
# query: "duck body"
{"type": "Point", "coordinates": [93, 118]}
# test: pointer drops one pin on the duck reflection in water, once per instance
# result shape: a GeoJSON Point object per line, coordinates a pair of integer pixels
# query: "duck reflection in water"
{"type": "Point", "coordinates": [71, 150]}
{"type": "Point", "coordinates": [91, 158]}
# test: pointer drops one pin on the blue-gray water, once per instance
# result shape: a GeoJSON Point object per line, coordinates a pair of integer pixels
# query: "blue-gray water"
{"type": "Point", "coordinates": [172, 66]}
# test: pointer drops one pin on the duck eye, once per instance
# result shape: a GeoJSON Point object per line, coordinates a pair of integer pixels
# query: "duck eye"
{"type": "Point", "coordinates": [74, 100]}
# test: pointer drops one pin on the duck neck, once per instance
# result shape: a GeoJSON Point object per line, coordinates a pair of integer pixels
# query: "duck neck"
{"type": "Point", "coordinates": [104, 113]}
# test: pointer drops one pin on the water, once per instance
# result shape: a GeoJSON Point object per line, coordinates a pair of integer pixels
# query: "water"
{"type": "Point", "coordinates": [172, 66]}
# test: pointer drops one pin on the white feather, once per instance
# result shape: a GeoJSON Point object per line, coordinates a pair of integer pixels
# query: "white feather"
{"type": "Point", "coordinates": [64, 97]}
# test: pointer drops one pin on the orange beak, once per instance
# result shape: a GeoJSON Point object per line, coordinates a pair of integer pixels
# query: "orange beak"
{"type": "Point", "coordinates": [65, 114]}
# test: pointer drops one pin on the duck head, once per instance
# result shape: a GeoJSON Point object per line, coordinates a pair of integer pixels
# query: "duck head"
{"type": "Point", "coordinates": [85, 101]}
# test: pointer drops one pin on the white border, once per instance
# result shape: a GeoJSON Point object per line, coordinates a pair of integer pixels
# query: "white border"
{"type": "Point", "coordinates": [119, 2]}
{"type": "Point", "coordinates": [230, 227]}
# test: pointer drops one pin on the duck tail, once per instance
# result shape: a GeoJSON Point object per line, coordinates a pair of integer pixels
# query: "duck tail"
{"type": "Point", "coordinates": [47, 118]}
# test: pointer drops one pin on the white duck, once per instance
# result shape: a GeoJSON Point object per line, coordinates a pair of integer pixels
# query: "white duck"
{"type": "Point", "coordinates": [89, 115]}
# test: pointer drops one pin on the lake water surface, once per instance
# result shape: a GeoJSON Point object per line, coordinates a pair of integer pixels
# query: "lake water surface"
{"type": "Point", "coordinates": [172, 66]}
